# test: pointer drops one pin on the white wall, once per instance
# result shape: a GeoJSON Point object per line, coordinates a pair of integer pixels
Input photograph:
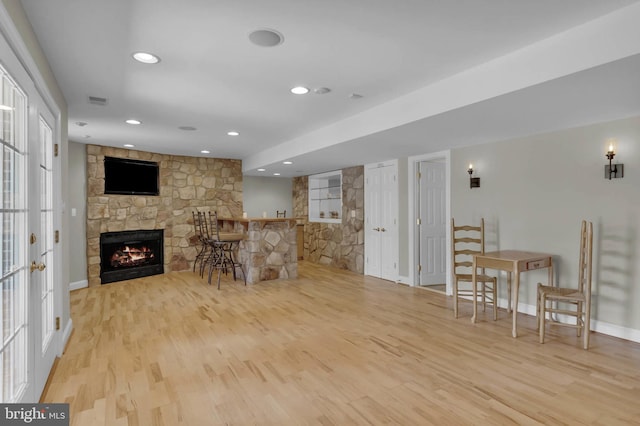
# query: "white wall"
{"type": "Point", "coordinates": [266, 194]}
{"type": "Point", "coordinates": [534, 193]}
{"type": "Point", "coordinates": [78, 223]}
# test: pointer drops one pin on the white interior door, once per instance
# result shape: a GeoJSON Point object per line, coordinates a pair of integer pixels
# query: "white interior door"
{"type": "Point", "coordinates": [381, 220]}
{"type": "Point", "coordinates": [388, 213]}
{"type": "Point", "coordinates": [16, 354]}
{"type": "Point", "coordinates": [433, 227]}
{"type": "Point", "coordinates": [372, 236]}
{"type": "Point", "coordinates": [28, 259]}
{"type": "Point", "coordinates": [44, 253]}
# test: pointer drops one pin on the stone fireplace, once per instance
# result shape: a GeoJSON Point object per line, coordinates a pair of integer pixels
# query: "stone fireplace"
{"type": "Point", "coordinates": [131, 254]}
{"type": "Point", "coordinates": [186, 184]}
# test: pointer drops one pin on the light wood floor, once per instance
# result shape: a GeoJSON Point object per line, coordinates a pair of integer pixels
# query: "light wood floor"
{"type": "Point", "coordinates": [330, 348]}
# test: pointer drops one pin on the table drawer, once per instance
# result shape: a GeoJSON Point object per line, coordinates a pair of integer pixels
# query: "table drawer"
{"type": "Point", "coordinates": [538, 263]}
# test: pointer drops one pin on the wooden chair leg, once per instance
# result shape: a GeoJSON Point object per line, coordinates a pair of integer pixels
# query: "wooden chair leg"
{"type": "Point", "coordinates": [578, 319]}
{"type": "Point", "coordinates": [538, 307]}
{"type": "Point", "coordinates": [495, 300]}
{"type": "Point", "coordinates": [542, 315]}
{"type": "Point", "coordinates": [484, 297]}
{"type": "Point", "coordinates": [455, 298]}
{"type": "Point", "coordinates": [587, 325]}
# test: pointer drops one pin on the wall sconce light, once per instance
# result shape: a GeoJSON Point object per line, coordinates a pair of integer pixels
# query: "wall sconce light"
{"type": "Point", "coordinates": [612, 170]}
{"type": "Point", "coordinates": [474, 182]}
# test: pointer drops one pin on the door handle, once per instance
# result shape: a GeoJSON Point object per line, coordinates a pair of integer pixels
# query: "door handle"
{"type": "Point", "coordinates": [376, 229]}
{"type": "Point", "coordinates": [38, 266]}
{"type": "Point", "coordinates": [383, 230]}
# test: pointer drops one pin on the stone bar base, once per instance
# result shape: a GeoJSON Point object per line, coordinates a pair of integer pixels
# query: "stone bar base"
{"type": "Point", "coordinates": [269, 250]}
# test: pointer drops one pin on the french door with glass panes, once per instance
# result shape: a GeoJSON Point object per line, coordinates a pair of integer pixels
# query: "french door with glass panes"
{"type": "Point", "coordinates": [28, 259]}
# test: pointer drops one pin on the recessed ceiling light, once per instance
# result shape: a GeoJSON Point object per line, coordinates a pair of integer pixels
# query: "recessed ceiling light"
{"type": "Point", "coordinates": [87, 136]}
{"type": "Point", "coordinates": [299, 90]}
{"type": "Point", "coordinates": [287, 162]}
{"type": "Point", "coordinates": [81, 123]}
{"type": "Point", "coordinates": [146, 58]}
{"type": "Point", "coordinates": [187, 128]}
{"type": "Point", "coordinates": [262, 170]}
{"type": "Point", "coordinates": [133, 121]}
{"type": "Point", "coordinates": [233, 133]}
{"type": "Point", "coordinates": [321, 90]}
{"type": "Point", "coordinates": [128, 145]}
{"type": "Point", "coordinates": [276, 174]}
{"type": "Point", "coordinates": [204, 151]}
{"type": "Point", "coordinates": [266, 37]}
{"type": "Point", "coordinates": [355, 96]}
{"type": "Point", "coordinates": [6, 108]}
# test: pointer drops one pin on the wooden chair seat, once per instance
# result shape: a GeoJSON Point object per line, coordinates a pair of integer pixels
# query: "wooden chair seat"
{"type": "Point", "coordinates": [569, 294]}
{"type": "Point", "coordinates": [479, 278]}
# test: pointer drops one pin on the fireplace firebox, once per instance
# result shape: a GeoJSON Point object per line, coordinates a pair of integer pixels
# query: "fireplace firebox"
{"type": "Point", "coordinates": [131, 254]}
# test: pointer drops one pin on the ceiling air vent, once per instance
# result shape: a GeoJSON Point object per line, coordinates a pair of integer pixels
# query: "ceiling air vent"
{"type": "Point", "coordinates": [96, 100]}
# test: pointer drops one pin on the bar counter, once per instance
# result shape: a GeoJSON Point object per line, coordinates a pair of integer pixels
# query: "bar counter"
{"type": "Point", "coordinates": [269, 249]}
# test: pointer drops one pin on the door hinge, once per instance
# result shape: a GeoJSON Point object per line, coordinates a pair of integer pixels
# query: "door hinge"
{"type": "Point", "coordinates": [419, 268]}
{"type": "Point", "coordinates": [57, 323]}
{"type": "Point", "coordinates": [395, 265]}
{"type": "Point", "coordinates": [55, 150]}
{"type": "Point", "coordinates": [419, 221]}
{"type": "Point", "coordinates": [56, 236]}
{"type": "Point", "coordinates": [32, 238]}
{"type": "Point", "coordinates": [418, 175]}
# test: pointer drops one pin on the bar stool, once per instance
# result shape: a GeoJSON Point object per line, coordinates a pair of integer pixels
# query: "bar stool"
{"type": "Point", "coordinates": [203, 247]}
{"type": "Point", "coordinates": [223, 244]}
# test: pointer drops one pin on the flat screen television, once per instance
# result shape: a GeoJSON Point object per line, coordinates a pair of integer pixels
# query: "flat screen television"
{"type": "Point", "coordinates": [130, 177]}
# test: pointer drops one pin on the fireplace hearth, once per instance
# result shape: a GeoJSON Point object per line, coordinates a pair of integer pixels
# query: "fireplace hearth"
{"type": "Point", "coordinates": [131, 254]}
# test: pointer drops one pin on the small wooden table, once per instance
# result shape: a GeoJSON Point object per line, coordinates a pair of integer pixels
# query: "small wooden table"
{"type": "Point", "coordinates": [511, 261]}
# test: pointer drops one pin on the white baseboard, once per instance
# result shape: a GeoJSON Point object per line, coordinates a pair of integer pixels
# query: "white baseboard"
{"type": "Point", "coordinates": [78, 285]}
{"type": "Point", "coordinates": [65, 336]}
{"type": "Point", "coordinates": [616, 330]}
{"type": "Point", "coordinates": [597, 326]}
{"type": "Point", "coordinates": [403, 280]}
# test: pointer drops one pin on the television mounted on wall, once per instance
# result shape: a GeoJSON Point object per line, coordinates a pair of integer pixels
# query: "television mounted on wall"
{"type": "Point", "coordinates": [130, 177]}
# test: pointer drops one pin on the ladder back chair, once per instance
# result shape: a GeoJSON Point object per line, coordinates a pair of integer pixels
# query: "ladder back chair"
{"type": "Point", "coordinates": [574, 302]}
{"type": "Point", "coordinates": [467, 241]}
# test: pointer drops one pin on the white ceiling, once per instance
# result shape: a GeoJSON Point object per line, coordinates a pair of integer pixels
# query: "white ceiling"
{"type": "Point", "coordinates": [433, 74]}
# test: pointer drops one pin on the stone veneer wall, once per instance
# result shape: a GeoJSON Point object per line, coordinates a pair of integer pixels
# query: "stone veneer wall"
{"type": "Point", "coordinates": [339, 245]}
{"type": "Point", "coordinates": [269, 251]}
{"type": "Point", "coordinates": [186, 184]}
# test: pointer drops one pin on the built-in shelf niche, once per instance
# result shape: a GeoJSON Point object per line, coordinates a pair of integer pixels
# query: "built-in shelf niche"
{"type": "Point", "coordinates": [325, 197]}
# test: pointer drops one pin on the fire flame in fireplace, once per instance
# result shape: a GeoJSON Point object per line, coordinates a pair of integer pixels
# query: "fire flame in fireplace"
{"type": "Point", "coordinates": [131, 256]}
